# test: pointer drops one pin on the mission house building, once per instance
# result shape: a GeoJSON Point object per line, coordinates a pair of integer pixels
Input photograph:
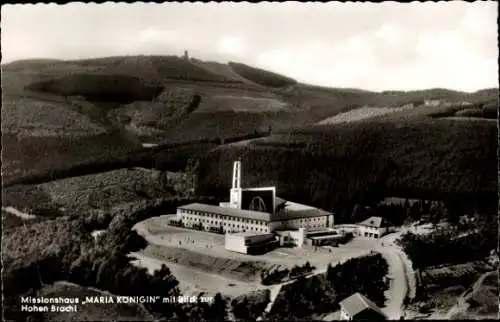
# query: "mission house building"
{"type": "Point", "coordinates": [254, 210]}
{"type": "Point", "coordinates": [240, 220]}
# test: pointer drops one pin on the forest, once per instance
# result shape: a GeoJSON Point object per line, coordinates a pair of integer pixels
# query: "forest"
{"type": "Point", "coordinates": [344, 165]}
{"type": "Point", "coordinates": [451, 246]}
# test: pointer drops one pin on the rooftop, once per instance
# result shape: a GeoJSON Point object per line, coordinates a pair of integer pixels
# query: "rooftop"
{"type": "Point", "coordinates": [333, 236]}
{"type": "Point", "coordinates": [293, 210]}
{"type": "Point", "coordinates": [248, 234]}
{"type": "Point", "coordinates": [278, 201]}
{"type": "Point", "coordinates": [376, 222]}
{"type": "Point", "coordinates": [357, 303]}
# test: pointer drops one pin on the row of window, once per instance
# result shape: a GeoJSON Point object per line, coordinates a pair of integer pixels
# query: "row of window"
{"type": "Point", "coordinates": [310, 219]}
{"type": "Point", "coordinates": [208, 215]}
{"type": "Point", "coordinates": [238, 227]}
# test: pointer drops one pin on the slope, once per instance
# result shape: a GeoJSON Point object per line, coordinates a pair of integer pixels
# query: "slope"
{"type": "Point", "coordinates": [364, 161]}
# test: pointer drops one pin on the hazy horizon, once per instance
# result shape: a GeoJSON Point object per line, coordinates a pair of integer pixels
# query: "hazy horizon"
{"type": "Point", "coordinates": [377, 47]}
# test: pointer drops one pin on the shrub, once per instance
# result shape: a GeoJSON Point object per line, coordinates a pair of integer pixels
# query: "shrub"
{"type": "Point", "coordinates": [250, 306]}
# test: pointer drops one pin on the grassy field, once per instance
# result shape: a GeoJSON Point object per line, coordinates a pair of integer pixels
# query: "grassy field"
{"type": "Point", "coordinates": [91, 312]}
{"type": "Point", "coordinates": [260, 76]}
{"type": "Point", "coordinates": [222, 69]}
{"type": "Point", "coordinates": [362, 113]}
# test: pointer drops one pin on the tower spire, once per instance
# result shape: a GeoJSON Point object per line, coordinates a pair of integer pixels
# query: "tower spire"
{"type": "Point", "coordinates": [235, 194]}
{"type": "Point", "coordinates": [237, 175]}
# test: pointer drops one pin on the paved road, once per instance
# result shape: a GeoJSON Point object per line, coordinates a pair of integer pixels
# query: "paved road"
{"type": "Point", "coordinates": [402, 275]}
{"type": "Point", "coordinates": [396, 292]}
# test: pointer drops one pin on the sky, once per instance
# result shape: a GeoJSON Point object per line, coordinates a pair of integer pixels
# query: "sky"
{"type": "Point", "coordinates": [384, 46]}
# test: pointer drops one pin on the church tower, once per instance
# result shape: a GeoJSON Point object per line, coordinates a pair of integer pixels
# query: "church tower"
{"type": "Point", "coordinates": [235, 194]}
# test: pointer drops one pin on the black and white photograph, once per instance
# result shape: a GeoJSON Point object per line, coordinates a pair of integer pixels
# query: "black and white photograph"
{"type": "Point", "coordinates": [236, 161]}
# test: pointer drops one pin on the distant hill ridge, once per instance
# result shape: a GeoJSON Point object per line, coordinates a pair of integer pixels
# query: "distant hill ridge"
{"type": "Point", "coordinates": [160, 67]}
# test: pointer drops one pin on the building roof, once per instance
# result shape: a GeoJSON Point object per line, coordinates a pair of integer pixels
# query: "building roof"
{"type": "Point", "coordinates": [376, 222]}
{"type": "Point", "coordinates": [240, 213]}
{"type": "Point", "coordinates": [278, 201]}
{"type": "Point", "coordinates": [249, 234]}
{"type": "Point", "coordinates": [357, 303]}
{"type": "Point", "coordinates": [326, 237]}
{"type": "Point", "coordinates": [293, 210]}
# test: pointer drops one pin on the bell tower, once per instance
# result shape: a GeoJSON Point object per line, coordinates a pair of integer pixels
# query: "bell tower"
{"type": "Point", "coordinates": [235, 194]}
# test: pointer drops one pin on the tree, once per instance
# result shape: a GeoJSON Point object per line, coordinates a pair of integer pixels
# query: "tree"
{"type": "Point", "coordinates": [217, 310]}
{"type": "Point", "coordinates": [357, 213]}
{"type": "Point", "coordinates": [435, 213]}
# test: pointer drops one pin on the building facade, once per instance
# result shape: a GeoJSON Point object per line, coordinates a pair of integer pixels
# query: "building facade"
{"type": "Point", "coordinates": [230, 220]}
{"type": "Point", "coordinates": [250, 243]}
{"type": "Point", "coordinates": [253, 210]}
{"type": "Point", "coordinates": [373, 227]}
